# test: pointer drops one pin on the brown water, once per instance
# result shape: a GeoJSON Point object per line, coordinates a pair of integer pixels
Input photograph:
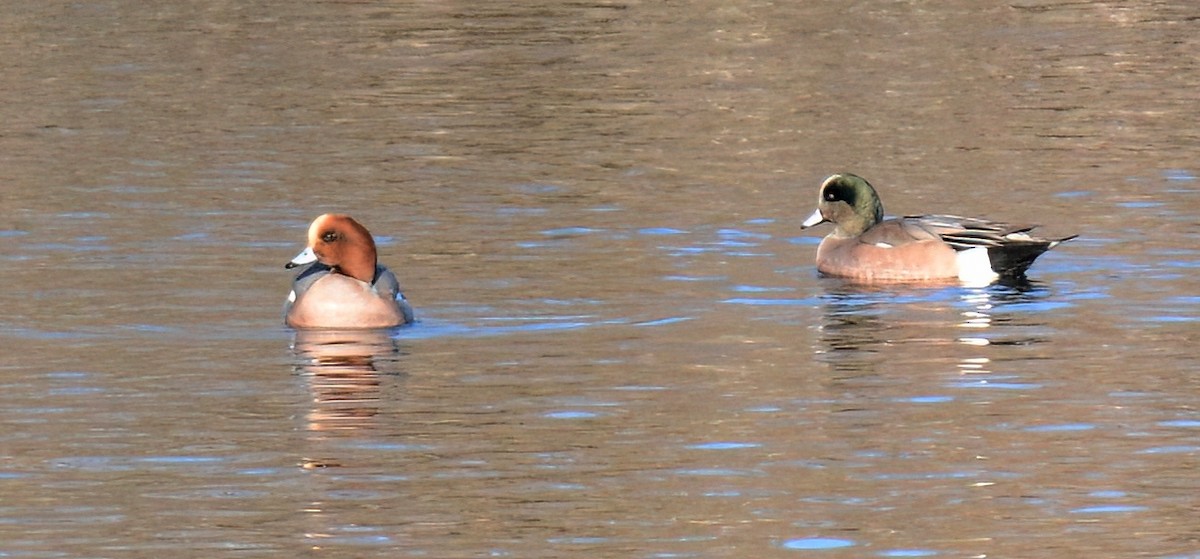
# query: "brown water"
{"type": "Point", "coordinates": [623, 349]}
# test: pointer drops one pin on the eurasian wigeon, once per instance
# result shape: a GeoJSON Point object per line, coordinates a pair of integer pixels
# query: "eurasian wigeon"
{"type": "Point", "coordinates": [864, 246]}
{"type": "Point", "coordinates": [343, 286]}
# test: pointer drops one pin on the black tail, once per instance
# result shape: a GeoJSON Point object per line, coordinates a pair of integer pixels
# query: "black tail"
{"type": "Point", "coordinates": [1011, 259]}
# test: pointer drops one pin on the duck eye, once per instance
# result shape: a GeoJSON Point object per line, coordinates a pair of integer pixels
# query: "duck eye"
{"type": "Point", "coordinates": [329, 237]}
{"type": "Point", "coordinates": [840, 193]}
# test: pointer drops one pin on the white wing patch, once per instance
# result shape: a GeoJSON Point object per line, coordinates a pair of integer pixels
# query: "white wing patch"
{"type": "Point", "coordinates": [292, 296]}
{"type": "Point", "coordinates": [882, 244]}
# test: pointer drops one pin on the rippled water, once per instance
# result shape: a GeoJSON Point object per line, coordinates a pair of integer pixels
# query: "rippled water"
{"type": "Point", "coordinates": [623, 348]}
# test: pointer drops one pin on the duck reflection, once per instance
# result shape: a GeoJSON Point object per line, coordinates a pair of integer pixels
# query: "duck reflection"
{"type": "Point", "coordinates": [980, 312]}
{"type": "Point", "coordinates": [344, 370]}
{"type": "Point", "coordinates": [853, 331]}
{"type": "Point", "coordinates": [863, 323]}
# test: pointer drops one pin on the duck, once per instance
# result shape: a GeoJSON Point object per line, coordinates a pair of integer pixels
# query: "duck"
{"type": "Point", "coordinates": [342, 284]}
{"type": "Point", "coordinates": [864, 246]}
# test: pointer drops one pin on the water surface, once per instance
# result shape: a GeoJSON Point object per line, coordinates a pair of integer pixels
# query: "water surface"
{"type": "Point", "coordinates": [623, 348]}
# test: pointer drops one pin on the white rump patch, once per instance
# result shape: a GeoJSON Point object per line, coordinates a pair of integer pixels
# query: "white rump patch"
{"type": "Point", "coordinates": [975, 268]}
{"type": "Point", "coordinates": [883, 245]}
{"type": "Point", "coordinates": [292, 296]}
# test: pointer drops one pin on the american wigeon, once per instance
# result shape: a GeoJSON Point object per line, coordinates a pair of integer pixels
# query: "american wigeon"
{"type": "Point", "coordinates": [864, 246]}
{"type": "Point", "coordinates": [343, 286]}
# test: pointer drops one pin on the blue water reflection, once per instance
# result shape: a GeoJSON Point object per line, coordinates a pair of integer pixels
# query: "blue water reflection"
{"type": "Point", "coordinates": [817, 543]}
{"type": "Point", "coordinates": [724, 446]}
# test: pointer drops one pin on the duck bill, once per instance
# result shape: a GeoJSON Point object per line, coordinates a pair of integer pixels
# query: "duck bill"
{"type": "Point", "coordinates": [306, 256]}
{"type": "Point", "coordinates": [815, 219]}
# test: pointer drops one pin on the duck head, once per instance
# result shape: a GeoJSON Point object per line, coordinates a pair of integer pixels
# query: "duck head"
{"type": "Point", "coordinates": [849, 202]}
{"type": "Point", "coordinates": [341, 243]}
